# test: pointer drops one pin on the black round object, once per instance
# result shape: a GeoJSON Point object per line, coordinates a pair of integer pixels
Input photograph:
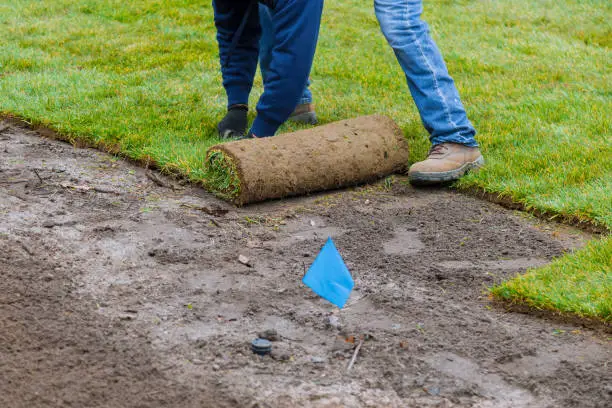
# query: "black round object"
{"type": "Point", "coordinates": [261, 346]}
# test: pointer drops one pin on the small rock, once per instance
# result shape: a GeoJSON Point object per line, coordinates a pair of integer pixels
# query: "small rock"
{"type": "Point", "coordinates": [419, 381]}
{"type": "Point", "coordinates": [48, 277]}
{"type": "Point", "coordinates": [367, 202]}
{"type": "Point", "coordinates": [318, 360]}
{"type": "Point", "coordinates": [49, 224]}
{"type": "Point", "coordinates": [254, 244]}
{"type": "Point", "coordinates": [197, 361]}
{"type": "Point", "coordinates": [333, 322]}
{"type": "Point", "coordinates": [312, 223]}
{"type": "Point", "coordinates": [280, 356]}
{"type": "Point", "coordinates": [125, 317]}
{"type": "Point", "coordinates": [433, 391]}
{"type": "Point", "coordinates": [245, 261]}
{"type": "Point", "coordinates": [281, 352]}
{"type": "Point", "coordinates": [216, 367]}
{"type": "Point", "coordinates": [270, 334]}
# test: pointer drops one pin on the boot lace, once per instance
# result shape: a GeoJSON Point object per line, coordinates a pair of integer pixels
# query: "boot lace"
{"type": "Point", "coordinates": [438, 150]}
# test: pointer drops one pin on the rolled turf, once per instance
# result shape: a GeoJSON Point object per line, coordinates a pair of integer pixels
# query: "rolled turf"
{"type": "Point", "coordinates": [336, 155]}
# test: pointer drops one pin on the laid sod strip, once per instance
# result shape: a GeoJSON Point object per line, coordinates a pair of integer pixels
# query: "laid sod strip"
{"type": "Point", "coordinates": [336, 155]}
{"type": "Point", "coordinates": [580, 283]}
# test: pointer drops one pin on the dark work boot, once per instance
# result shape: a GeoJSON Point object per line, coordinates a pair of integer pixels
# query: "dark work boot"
{"type": "Point", "coordinates": [234, 124]}
{"type": "Point", "coordinates": [305, 114]}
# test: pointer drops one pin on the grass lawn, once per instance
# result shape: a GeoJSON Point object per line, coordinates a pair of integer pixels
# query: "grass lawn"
{"type": "Point", "coordinates": [142, 78]}
{"type": "Point", "coordinates": [580, 283]}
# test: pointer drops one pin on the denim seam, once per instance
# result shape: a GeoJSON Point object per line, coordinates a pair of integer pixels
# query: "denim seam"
{"type": "Point", "coordinates": [433, 73]}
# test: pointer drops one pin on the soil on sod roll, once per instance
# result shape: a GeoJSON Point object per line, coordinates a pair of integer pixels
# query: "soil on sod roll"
{"type": "Point", "coordinates": [340, 154]}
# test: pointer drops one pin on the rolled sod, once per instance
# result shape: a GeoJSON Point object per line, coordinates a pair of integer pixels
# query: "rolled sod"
{"type": "Point", "coordinates": [336, 155]}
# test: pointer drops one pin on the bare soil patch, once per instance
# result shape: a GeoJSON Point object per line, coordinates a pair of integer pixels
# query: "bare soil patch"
{"type": "Point", "coordinates": [120, 290]}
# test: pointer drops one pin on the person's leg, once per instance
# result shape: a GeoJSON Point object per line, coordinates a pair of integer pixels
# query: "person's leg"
{"type": "Point", "coordinates": [304, 112]}
{"type": "Point", "coordinates": [296, 30]}
{"type": "Point", "coordinates": [238, 59]}
{"type": "Point", "coordinates": [267, 40]}
{"type": "Point", "coordinates": [433, 91]}
{"type": "Point", "coordinates": [432, 88]}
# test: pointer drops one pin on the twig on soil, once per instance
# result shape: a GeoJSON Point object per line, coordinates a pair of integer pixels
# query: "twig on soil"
{"type": "Point", "coordinates": [14, 181]}
{"type": "Point", "coordinates": [25, 248]}
{"type": "Point", "coordinates": [106, 191]}
{"type": "Point", "coordinates": [53, 224]}
{"type": "Point", "coordinates": [290, 339]}
{"type": "Point", "coordinates": [170, 367]}
{"type": "Point", "coordinates": [155, 179]}
{"type": "Point", "coordinates": [88, 188]}
{"type": "Point", "coordinates": [214, 211]}
{"type": "Point", "coordinates": [355, 355]}
{"type": "Point", "coordinates": [38, 175]}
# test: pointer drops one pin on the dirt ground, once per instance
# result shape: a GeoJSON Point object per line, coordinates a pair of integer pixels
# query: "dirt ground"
{"type": "Point", "coordinates": [122, 288]}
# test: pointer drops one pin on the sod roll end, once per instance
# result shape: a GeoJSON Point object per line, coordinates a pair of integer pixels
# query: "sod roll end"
{"type": "Point", "coordinates": [336, 155]}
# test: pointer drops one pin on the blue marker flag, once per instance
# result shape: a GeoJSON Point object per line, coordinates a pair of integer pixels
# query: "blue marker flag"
{"type": "Point", "coordinates": [329, 277]}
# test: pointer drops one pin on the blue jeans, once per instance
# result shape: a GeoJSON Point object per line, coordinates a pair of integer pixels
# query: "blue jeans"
{"type": "Point", "coordinates": [265, 49]}
{"type": "Point", "coordinates": [432, 88]}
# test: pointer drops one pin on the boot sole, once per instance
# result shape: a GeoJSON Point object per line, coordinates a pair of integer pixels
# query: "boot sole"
{"type": "Point", "coordinates": [306, 118]}
{"type": "Point", "coordinates": [421, 178]}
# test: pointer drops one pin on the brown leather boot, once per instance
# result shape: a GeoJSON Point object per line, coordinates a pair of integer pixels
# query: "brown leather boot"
{"type": "Point", "coordinates": [446, 162]}
{"type": "Point", "coordinates": [304, 113]}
